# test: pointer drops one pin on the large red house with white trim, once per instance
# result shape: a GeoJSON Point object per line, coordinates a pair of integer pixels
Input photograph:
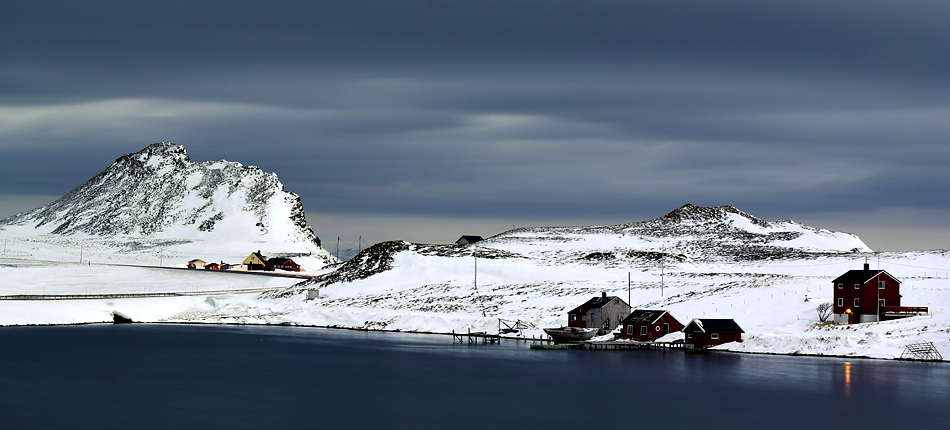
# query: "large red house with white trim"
{"type": "Point", "coordinates": [868, 296]}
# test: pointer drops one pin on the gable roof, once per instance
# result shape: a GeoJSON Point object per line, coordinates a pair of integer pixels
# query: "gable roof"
{"type": "Point", "coordinates": [470, 239]}
{"type": "Point", "coordinates": [596, 302]}
{"type": "Point", "coordinates": [258, 255]}
{"type": "Point", "coordinates": [719, 325]}
{"type": "Point", "coordinates": [278, 261]}
{"type": "Point", "coordinates": [862, 276]}
{"type": "Point", "coordinates": [644, 316]}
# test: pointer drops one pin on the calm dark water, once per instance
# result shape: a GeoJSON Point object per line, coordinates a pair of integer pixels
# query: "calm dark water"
{"type": "Point", "coordinates": [226, 377]}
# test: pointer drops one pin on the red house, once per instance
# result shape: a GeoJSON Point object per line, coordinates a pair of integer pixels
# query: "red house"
{"type": "Point", "coordinates": [869, 295]}
{"type": "Point", "coordinates": [702, 333]}
{"type": "Point", "coordinates": [647, 325]}
{"type": "Point", "coordinates": [282, 264]}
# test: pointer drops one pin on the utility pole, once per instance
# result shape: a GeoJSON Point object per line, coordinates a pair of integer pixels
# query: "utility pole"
{"type": "Point", "coordinates": [338, 247]}
{"type": "Point", "coordinates": [478, 296]}
{"type": "Point", "coordinates": [80, 252]}
{"type": "Point", "coordinates": [662, 269]}
{"type": "Point", "coordinates": [877, 277]}
{"type": "Point", "coordinates": [628, 288]}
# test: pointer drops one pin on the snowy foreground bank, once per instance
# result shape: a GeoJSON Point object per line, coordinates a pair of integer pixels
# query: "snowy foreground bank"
{"type": "Point", "coordinates": [768, 299]}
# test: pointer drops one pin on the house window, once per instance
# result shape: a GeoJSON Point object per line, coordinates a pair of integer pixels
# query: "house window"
{"type": "Point", "coordinates": [857, 302]}
{"type": "Point", "coordinates": [880, 303]}
{"type": "Point", "coordinates": [714, 336]}
{"type": "Point", "coordinates": [643, 330]}
{"type": "Point", "coordinates": [573, 317]}
{"type": "Point", "coordinates": [689, 335]}
{"type": "Point", "coordinates": [840, 302]}
{"type": "Point", "coordinates": [857, 286]}
{"type": "Point", "coordinates": [630, 330]}
{"type": "Point", "coordinates": [880, 285]}
{"type": "Point", "coordinates": [840, 286]}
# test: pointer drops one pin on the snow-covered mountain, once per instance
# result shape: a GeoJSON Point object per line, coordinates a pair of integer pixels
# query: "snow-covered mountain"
{"type": "Point", "coordinates": [689, 234]}
{"type": "Point", "coordinates": [157, 201]}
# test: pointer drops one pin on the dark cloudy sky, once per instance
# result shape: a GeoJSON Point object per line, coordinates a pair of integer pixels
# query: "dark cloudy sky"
{"type": "Point", "coordinates": [424, 120]}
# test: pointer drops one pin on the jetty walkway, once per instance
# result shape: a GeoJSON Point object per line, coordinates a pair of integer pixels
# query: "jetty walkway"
{"type": "Point", "coordinates": [611, 346]}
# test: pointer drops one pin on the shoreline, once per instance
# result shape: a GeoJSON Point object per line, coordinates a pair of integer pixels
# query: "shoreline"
{"type": "Point", "coordinates": [525, 340]}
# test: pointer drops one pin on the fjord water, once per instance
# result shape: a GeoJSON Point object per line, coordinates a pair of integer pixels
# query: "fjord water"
{"type": "Point", "coordinates": [248, 377]}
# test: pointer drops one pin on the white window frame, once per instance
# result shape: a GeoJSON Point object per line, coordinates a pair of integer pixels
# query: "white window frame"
{"type": "Point", "coordinates": [840, 302]}
{"type": "Point", "coordinates": [857, 286]}
{"type": "Point", "coordinates": [880, 303]}
{"type": "Point", "coordinates": [840, 286]}
{"type": "Point", "coordinates": [643, 330]}
{"type": "Point", "coordinates": [714, 336]}
{"type": "Point", "coordinates": [857, 302]}
{"type": "Point", "coordinates": [630, 330]}
{"type": "Point", "coordinates": [880, 285]}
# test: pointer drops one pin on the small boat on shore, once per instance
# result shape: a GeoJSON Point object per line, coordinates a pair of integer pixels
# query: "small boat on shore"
{"type": "Point", "coordinates": [570, 334]}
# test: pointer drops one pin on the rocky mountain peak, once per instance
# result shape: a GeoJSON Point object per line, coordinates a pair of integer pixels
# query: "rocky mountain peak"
{"type": "Point", "coordinates": [159, 193]}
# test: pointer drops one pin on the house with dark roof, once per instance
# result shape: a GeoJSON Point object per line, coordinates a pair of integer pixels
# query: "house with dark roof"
{"type": "Point", "coordinates": [255, 261]}
{"type": "Point", "coordinates": [465, 240]}
{"type": "Point", "coordinates": [603, 313]}
{"type": "Point", "coordinates": [278, 263]}
{"type": "Point", "coordinates": [647, 325]}
{"type": "Point", "coordinates": [196, 264]}
{"type": "Point", "coordinates": [702, 333]}
{"type": "Point", "coordinates": [868, 296]}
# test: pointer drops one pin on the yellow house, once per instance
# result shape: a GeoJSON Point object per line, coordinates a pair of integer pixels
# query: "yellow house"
{"type": "Point", "coordinates": [255, 261]}
{"type": "Point", "coordinates": [196, 264]}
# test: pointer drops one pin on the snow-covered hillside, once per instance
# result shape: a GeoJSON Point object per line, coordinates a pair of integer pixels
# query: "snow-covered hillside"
{"type": "Point", "coordinates": [696, 262]}
{"type": "Point", "coordinates": [156, 205]}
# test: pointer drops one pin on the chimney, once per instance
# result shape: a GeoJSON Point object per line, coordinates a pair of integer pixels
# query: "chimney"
{"type": "Point", "coordinates": [603, 294]}
{"type": "Point", "coordinates": [867, 266]}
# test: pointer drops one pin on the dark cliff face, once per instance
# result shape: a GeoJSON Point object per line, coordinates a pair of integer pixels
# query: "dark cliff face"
{"type": "Point", "coordinates": [149, 191]}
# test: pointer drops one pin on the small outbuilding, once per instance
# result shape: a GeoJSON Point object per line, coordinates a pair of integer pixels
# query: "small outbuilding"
{"type": "Point", "coordinates": [197, 264]}
{"type": "Point", "coordinates": [278, 263]}
{"type": "Point", "coordinates": [603, 313]}
{"type": "Point", "coordinates": [702, 333]}
{"type": "Point", "coordinates": [647, 325]}
{"type": "Point", "coordinates": [213, 266]}
{"type": "Point", "coordinates": [466, 240]}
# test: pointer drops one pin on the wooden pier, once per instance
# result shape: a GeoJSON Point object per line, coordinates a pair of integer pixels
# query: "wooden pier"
{"type": "Point", "coordinates": [612, 346]}
{"type": "Point", "coordinates": [473, 337]}
{"type": "Point", "coordinates": [476, 337]}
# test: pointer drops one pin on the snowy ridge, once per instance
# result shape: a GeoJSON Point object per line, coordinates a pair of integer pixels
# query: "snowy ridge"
{"type": "Point", "coordinates": [157, 200]}
{"type": "Point", "coordinates": [689, 232]}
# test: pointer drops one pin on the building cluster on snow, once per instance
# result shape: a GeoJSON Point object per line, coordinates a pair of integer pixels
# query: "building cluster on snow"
{"type": "Point", "coordinates": [255, 261]}
{"type": "Point", "coordinates": [606, 313]}
{"type": "Point", "coordinates": [860, 296]}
